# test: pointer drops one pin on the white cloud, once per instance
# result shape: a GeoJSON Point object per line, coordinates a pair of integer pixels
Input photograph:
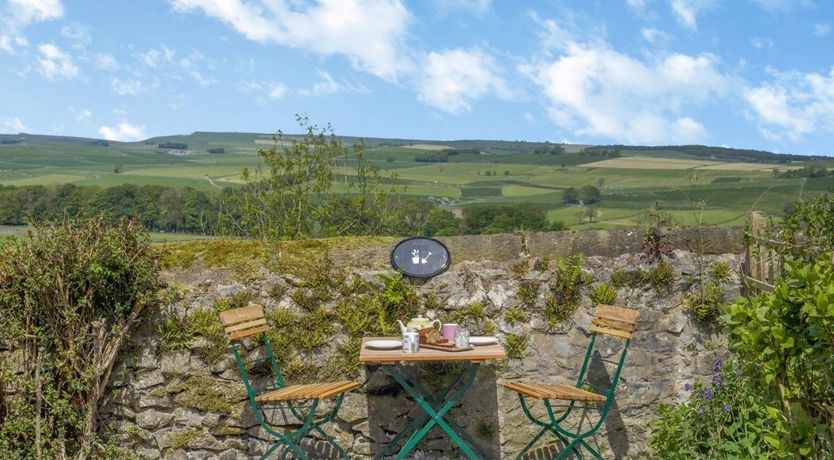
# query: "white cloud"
{"type": "Point", "coordinates": [687, 11]}
{"type": "Point", "coordinates": [123, 132]}
{"type": "Point", "coordinates": [591, 89]}
{"type": "Point", "coordinates": [265, 91]}
{"type": "Point", "coordinates": [55, 64]}
{"type": "Point", "coordinates": [8, 44]}
{"type": "Point", "coordinates": [760, 43]}
{"type": "Point", "coordinates": [78, 34]}
{"type": "Point", "coordinates": [83, 115]}
{"type": "Point", "coordinates": [452, 79]}
{"type": "Point", "coordinates": [821, 30]}
{"type": "Point", "coordinates": [654, 36]}
{"type": "Point", "coordinates": [476, 7]}
{"type": "Point", "coordinates": [105, 61]}
{"type": "Point", "coordinates": [773, 5]}
{"type": "Point", "coordinates": [368, 32]}
{"type": "Point", "coordinates": [154, 57]}
{"type": "Point", "coordinates": [13, 125]}
{"type": "Point", "coordinates": [328, 85]}
{"type": "Point", "coordinates": [794, 104]}
{"type": "Point", "coordinates": [21, 13]}
{"type": "Point", "coordinates": [639, 6]}
{"type": "Point", "coordinates": [126, 87]}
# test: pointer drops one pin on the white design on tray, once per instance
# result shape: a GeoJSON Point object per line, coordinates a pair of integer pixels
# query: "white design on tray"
{"type": "Point", "coordinates": [416, 259]}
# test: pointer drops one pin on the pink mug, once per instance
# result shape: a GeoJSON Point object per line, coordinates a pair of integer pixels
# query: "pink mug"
{"type": "Point", "coordinates": [449, 330]}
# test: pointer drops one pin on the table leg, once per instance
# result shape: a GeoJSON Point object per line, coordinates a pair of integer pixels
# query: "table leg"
{"type": "Point", "coordinates": [436, 407]}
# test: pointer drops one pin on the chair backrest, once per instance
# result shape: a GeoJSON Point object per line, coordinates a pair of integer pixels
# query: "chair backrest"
{"type": "Point", "coordinates": [616, 321]}
{"type": "Point", "coordinates": [244, 322]}
{"type": "Point", "coordinates": [249, 321]}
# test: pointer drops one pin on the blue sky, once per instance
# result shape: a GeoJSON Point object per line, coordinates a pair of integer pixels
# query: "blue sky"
{"type": "Point", "coordinates": [741, 73]}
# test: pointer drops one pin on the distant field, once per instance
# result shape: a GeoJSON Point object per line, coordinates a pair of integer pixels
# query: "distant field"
{"type": "Point", "coordinates": [502, 172]}
{"type": "Point", "coordinates": [427, 146]}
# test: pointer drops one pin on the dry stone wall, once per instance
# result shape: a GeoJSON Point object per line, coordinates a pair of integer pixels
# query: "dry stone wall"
{"type": "Point", "coordinates": [176, 405]}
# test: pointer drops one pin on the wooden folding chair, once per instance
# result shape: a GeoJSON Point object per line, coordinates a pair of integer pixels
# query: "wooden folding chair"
{"type": "Point", "coordinates": [613, 321]}
{"type": "Point", "coordinates": [250, 322]}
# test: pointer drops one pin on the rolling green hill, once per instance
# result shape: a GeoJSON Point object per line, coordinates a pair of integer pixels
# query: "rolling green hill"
{"type": "Point", "coordinates": [715, 184]}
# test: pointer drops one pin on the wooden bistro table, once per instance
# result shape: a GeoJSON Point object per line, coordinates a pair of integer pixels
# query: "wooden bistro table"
{"type": "Point", "coordinates": [435, 405]}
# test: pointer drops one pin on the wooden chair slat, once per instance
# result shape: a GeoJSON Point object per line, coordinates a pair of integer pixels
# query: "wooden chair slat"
{"type": "Point", "coordinates": [626, 315]}
{"type": "Point", "coordinates": [609, 331]}
{"type": "Point", "coordinates": [347, 386]}
{"type": "Point", "coordinates": [246, 333]}
{"type": "Point", "coordinates": [625, 327]}
{"type": "Point", "coordinates": [246, 325]}
{"type": "Point", "coordinates": [239, 315]}
{"type": "Point", "coordinates": [525, 389]}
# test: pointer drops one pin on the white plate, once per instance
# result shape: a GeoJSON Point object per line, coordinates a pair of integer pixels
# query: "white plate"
{"type": "Point", "coordinates": [483, 340]}
{"type": "Point", "coordinates": [384, 344]}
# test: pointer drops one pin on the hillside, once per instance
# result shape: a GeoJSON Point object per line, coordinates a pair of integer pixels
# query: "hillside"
{"type": "Point", "coordinates": [713, 184]}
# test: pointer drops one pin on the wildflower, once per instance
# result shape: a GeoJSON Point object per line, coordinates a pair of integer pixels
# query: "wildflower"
{"type": "Point", "coordinates": [707, 394]}
{"type": "Point", "coordinates": [719, 363]}
{"type": "Point", "coordinates": [727, 407]}
{"type": "Point", "coordinates": [716, 379]}
{"type": "Point", "coordinates": [700, 410]}
{"type": "Point", "coordinates": [687, 386]}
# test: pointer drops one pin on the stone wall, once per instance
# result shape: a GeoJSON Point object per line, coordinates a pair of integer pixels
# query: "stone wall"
{"type": "Point", "coordinates": [172, 404]}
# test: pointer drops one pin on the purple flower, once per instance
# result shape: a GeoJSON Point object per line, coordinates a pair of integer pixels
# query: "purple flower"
{"type": "Point", "coordinates": [738, 371]}
{"type": "Point", "coordinates": [687, 386]}
{"type": "Point", "coordinates": [716, 379]}
{"type": "Point", "coordinates": [727, 407]}
{"type": "Point", "coordinates": [719, 363]}
{"type": "Point", "coordinates": [700, 410]}
{"type": "Point", "coordinates": [707, 394]}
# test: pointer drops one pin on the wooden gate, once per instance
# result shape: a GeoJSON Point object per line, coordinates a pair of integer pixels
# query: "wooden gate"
{"type": "Point", "coordinates": [762, 263]}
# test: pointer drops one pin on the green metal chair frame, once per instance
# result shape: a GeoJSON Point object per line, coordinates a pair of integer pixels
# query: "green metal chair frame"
{"type": "Point", "coordinates": [302, 401]}
{"type": "Point", "coordinates": [613, 321]}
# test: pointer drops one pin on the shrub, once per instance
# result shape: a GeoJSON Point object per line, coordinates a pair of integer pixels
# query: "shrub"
{"type": "Point", "coordinates": [70, 294]}
{"type": "Point", "coordinates": [515, 314]}
{"type": "Point", "coordinates": [786, 338]}
{"type": "Point", "coordinates": [723, 418]}
{"type": "Point", "coordinates": [516, 345]}
{"type": "Point", "coordinates": [565, 290]}
{"type": "Point", "coordinates": [604, 293]}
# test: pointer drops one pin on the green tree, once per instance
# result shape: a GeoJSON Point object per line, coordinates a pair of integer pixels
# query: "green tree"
{"type": "Point", "coordinates": [589, 194]}
{"type": "Point", "coordinates": [570, 196]}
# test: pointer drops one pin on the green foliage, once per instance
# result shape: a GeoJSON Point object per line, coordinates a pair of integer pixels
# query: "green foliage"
{"type": "Point", "coordinates": [69, 295]}
{"type": "Point", "coordinates": [503, 218]}
{"type": "Point", "coordinates": [182, 438]}
{"type": "Point", "coordinates": [629, 278]}
{"type": "Point", "coordinates": [565, 290]}
{"type": "Point", "coordinates": [720, 271]}
{"type": "Point", "coordinates": [723, 418]}
{"type": "Point", "coordinates": [706, 302]}
{"type": "Point", "coordinates": [661, 276]}
{"type": "Point", "coordinates": [515, 314]}
{"type": "Point", "coordinates": [787, 338]}
{"type": "Point", "coordinates": [528, 291]}
{"type": "Point", "coordinates": [292, 196]}
{"type": "Point", "coordinates": [516, 345]}
{"type": "Point", "coordinates": [604, 293]}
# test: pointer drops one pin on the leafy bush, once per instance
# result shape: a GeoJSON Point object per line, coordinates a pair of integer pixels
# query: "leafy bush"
{"type": "Point", "coordinates": [723, 418]}
{"type": "Point", "coordinates": [69, 296]}
{"type": "Point", "coordinates": [787, 338]}
{"type": "Point", "coordinates": [604, 293]}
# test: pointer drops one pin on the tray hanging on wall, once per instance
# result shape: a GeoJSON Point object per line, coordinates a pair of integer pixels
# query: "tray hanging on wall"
{"type": "Point", "coordinates": [421, 257]}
